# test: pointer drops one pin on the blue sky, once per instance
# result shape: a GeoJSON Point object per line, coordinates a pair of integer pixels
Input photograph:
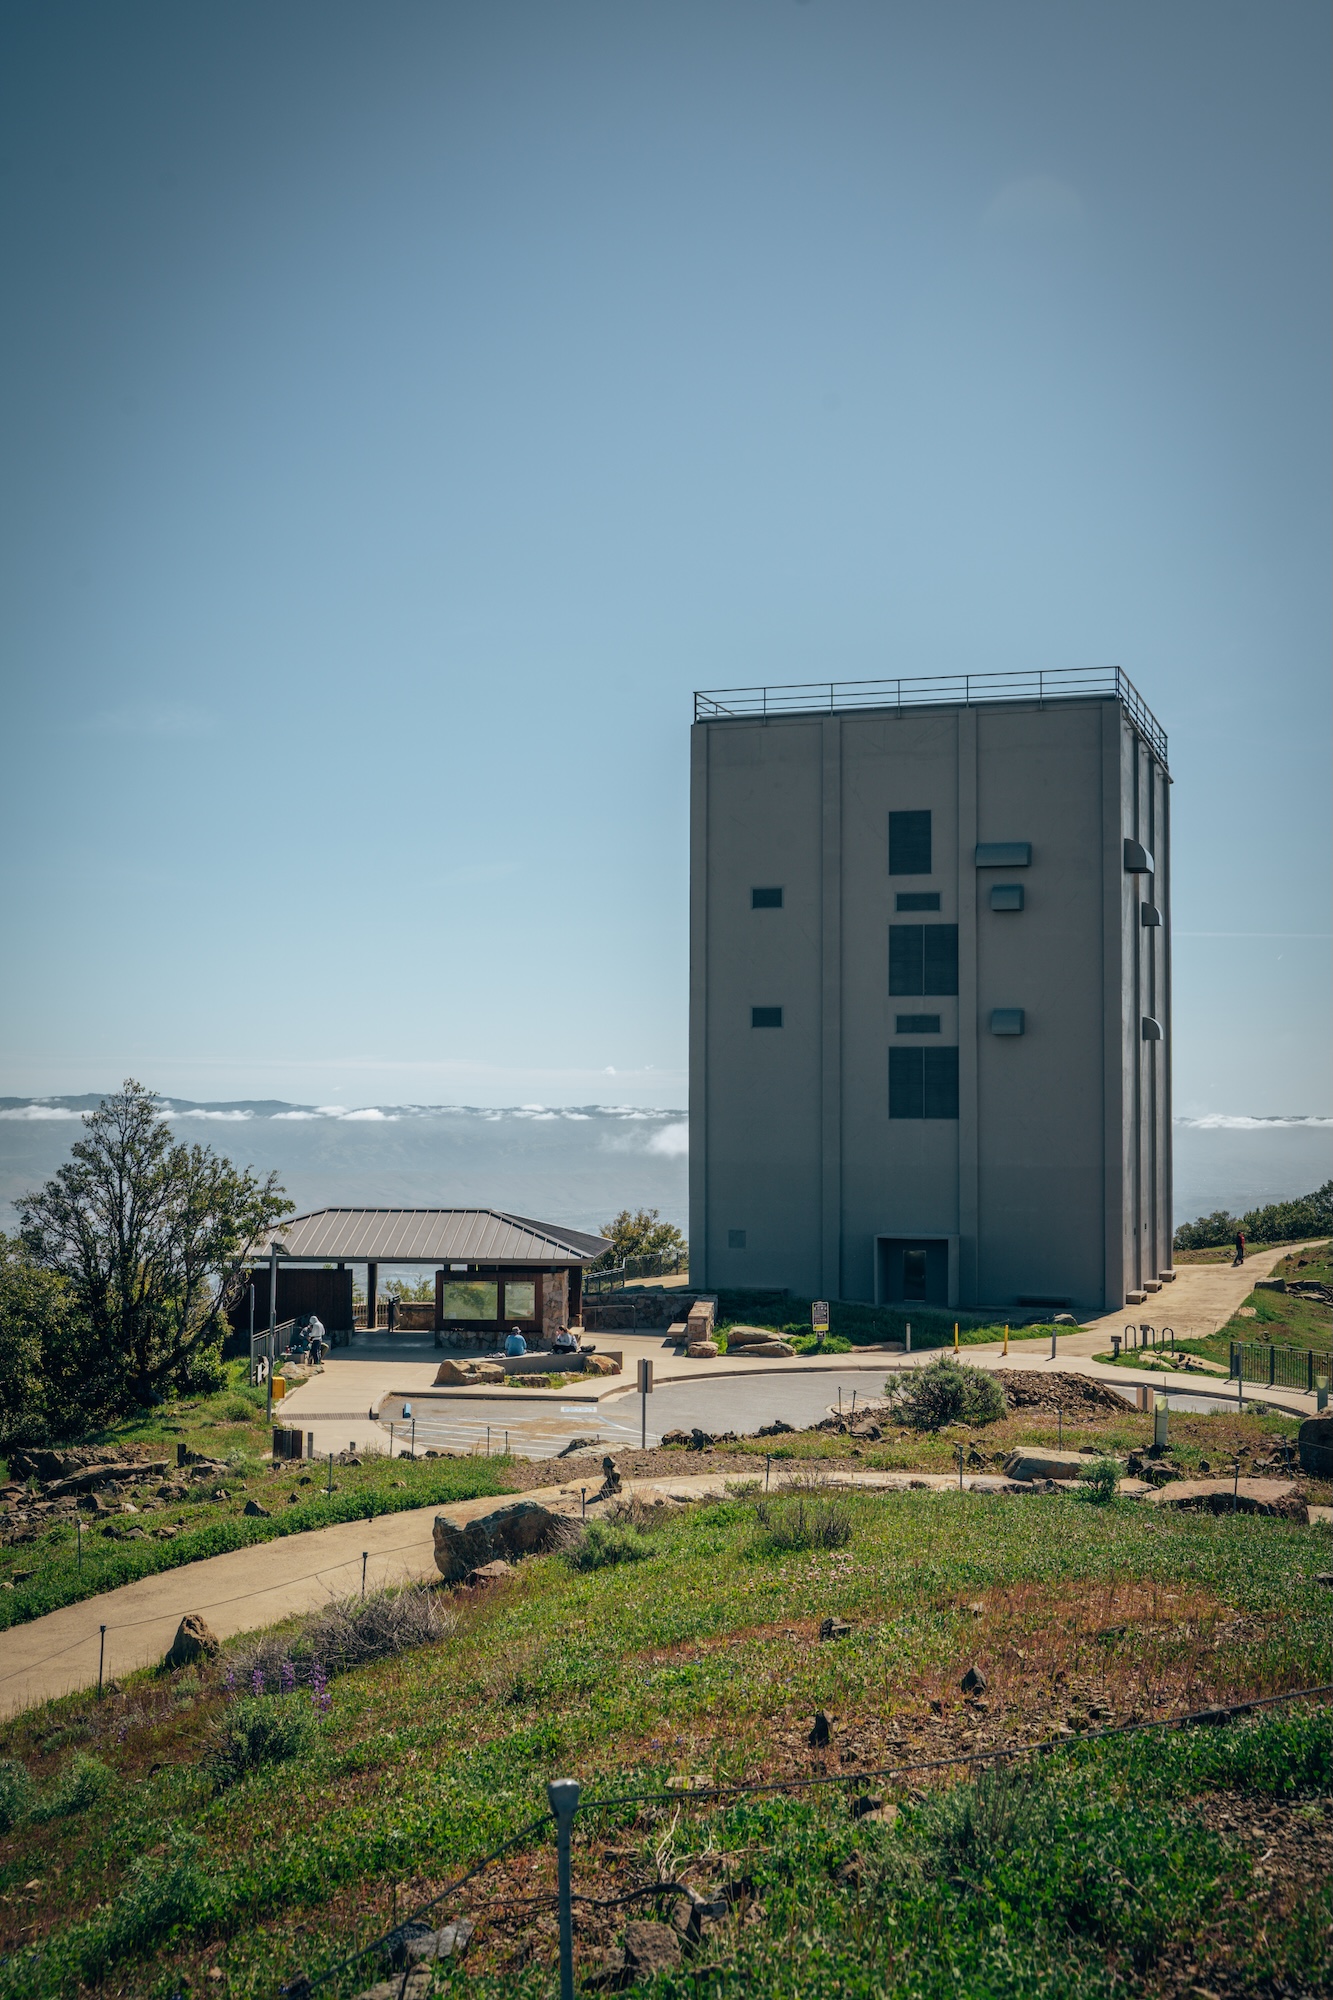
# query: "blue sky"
{"type": "Point", "coordinates": [405, 407]}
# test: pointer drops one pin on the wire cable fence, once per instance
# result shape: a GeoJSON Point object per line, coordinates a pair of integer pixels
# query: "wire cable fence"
{"type": "Point", "coordinates": [567, 1801]}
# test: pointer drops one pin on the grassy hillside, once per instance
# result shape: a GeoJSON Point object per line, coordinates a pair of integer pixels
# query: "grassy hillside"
{"type": "Point", "coordinates": [1160, 1863]}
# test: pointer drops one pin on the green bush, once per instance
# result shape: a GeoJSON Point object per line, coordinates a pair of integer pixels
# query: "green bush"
{"type": "Point", "coordinates": [259, 1731]}
{"type": "Point", "coordinates": [81, 1784]}
{"type": "Point", "coordinates": [946, 1392]}
{"type": "Point", "coordinates": [603, 1544]}
{"type": "Point", "coordinates": [160, 1896]}
{"type": "Point", "coordinates": [1100, 1479]}
{"type": "Point", "coordinates": [15, 1793]}
{"type": "Point", "coordinates": [802, 1520]}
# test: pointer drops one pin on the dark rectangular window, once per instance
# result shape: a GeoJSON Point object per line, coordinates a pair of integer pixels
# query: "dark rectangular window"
{"type": "Point", "coordinates": [906, 958]}
{"type": "Point", "coordinates": [923, 1083]}
{"type": "Point", "coordinates": [735, 1239]}
{"type": "Point", "coordinates": [765, 899]}
{"type": "Point", "coordinates": [941, 1082]}
{"type": "Point", "coordinates": [918, 1024]}
{"type": "Point", "coordinates": [765, 1017]}
{"type": "Point", "coordinates": [907, 1096]}
{"type": "Point", "coordinates": [923, 958]}
{"type": "Point", "coordinates": [909, 843]}
{"type": "Point", "coordinates": [941, 958]}
{"type": "Point", "coordinates": [918, 899]}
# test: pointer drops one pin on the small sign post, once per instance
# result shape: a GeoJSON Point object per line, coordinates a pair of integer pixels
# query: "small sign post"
{"type": "Point", "coordinates": [819, 1320]}
{"type": "Point", "coordinates": [645, 1391]}
{"type": "Point", "coordinates": [1159, 1418]}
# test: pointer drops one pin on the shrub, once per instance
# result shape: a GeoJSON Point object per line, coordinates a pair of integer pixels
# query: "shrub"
{"type": "Point", "coordinates": [161, 1894]}
{"type": "Point", "coordinates": [946, 1392]}
{"type": "Point", "coordinates": [15, 1793]}
{"type": "Point", "coordinates": [348, 1633]}
{"type": "Point", "coordinates": [1100, 1477]}
{"type": "Point", "coordinates": [81, 1784]}
{"type": "Point", "coordinates": [255, 1732]}
{"type": "Point", "coordinates": [802, 1520]}
{"type": "Point", "coordinates": [235, 1411]}
{"type": "Point", "coordinates": [968, 1826]}
{"type": "Point", "coordinates": [603, 1544]}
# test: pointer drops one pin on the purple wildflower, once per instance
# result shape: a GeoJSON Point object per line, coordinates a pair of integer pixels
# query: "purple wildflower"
{"type": "Point", "coordinates": [257, 1681]}
{"type": "Point", "coordinates": [320, 1698]}
{"type": "Point", "coordinates": [287, 1676]}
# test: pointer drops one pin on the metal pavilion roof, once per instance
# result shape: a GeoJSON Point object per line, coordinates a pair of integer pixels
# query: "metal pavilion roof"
{"type": "Point", "coordinates": [429, 1236]}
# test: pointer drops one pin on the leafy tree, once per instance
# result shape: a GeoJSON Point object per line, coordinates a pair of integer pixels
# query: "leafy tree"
{"type": "Point", "coordinates": [34, 1339]}
{"type": "Point", "coordinates": [148, 1236]}
{"type": "Point", "coordinates": [642, 1234]}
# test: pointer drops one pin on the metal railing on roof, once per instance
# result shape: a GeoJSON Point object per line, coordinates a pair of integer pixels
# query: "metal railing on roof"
{"type": "Point", "coordinates": [930, 690]}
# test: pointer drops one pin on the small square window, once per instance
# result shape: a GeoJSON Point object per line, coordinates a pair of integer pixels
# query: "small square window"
{"type": "Point", "coordinates": [765, 899]}
{"type": "Point", "coordinates": [918, 899]}
{"type": "Point", "coordinates": [909, 843]}
{"type": "Point", "coordinates": [918, 1024]}
{"type": "Point", "coordinates": [735, 1239]}
{"type": "Point", "coordinates": [765, 1017]}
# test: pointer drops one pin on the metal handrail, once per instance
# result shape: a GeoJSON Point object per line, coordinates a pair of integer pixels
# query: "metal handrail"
{"type": "Point", "coordinates": [927, 690]}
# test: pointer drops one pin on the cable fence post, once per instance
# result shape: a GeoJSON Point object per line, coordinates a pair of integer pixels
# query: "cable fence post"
{"type": "Point", "coordinates": [365, 1557]}
{"type": "Point", "coordinates": [101, 1659]}
{"type": "Point", "coordinates": [563, 1794]}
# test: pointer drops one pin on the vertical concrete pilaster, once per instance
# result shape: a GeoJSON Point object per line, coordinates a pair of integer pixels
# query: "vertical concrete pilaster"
{"type": "Point", "coordinates": [830, 1016]}
{"type": "Point", "coordinates": [699, 1006]}
{"type": "Point", "coordinates": [970, 1272]}
{"type": "Point", "coordinates": [1115, 1000]}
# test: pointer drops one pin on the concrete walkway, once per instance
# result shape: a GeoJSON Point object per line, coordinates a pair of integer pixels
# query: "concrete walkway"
{"type": "Point", "coordinates": [353, 1400]}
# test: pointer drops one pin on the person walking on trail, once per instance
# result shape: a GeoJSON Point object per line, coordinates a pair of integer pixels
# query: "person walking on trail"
{"type": "Point", "coordinates": [315, 1331]}
{"type": "Point", "coordinates": [1239, 1257]}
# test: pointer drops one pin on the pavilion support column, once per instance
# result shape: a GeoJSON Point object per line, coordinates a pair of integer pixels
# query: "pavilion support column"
{"type": "Point", "coordinates": [576, 1296]}
{"type": "Point", "coordinates": [372, 1293]}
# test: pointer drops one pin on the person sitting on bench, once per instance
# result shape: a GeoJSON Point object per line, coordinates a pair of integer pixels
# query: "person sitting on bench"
{"type": "Point", "coordinates": [515, 1343]}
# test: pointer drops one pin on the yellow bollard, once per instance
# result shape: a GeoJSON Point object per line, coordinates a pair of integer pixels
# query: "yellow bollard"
{"type": "Point", "coordinates": [1006, 1339]}
{"type": "Point", "coordinates": [955, 1336]}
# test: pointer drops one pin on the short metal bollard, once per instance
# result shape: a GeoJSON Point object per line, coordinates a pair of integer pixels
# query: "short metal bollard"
{"type": "Point", "coordinates": [563, 1794]}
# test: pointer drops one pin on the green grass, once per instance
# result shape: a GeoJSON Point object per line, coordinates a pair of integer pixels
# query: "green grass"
{"type": "Point", "coordinates": [702, 1657]}
{"type": "Point", "coordinates": [861, 1326]}
{"type": "Point", "coordinates": [296, 1493]}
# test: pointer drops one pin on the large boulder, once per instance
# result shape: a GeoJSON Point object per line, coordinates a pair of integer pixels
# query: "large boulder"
{"type": "Point", "coordinates": [600, 1364]}
{"type": "Point", "coordinates": [748, 1336]}
{"type": "Point", "coordinates": [525, 1528]}
{"type": "Point", "coordinates": [768, 1349]}
{"type": "Point", "coordinates": [701, 1350]}
{"type": "Point", "coordinates": [466, 1374]}
{"type": "Point", "coordinates": [1314, 1441]}
{"type": "Point", "coordinates": [1278, 1497]}
{"type": "Point", "coordinates": [1036, 1462]}
{"type": "Point", "coordinates": [194, 1641]}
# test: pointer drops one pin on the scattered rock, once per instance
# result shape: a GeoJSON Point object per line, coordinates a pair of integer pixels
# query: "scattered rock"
{"type": "Point", "coordinates": [676, 1437]}
{"type": "Point", "coordinates": [650, 1948]}
{"type": "Point", "coordinates": [867, 1806]}
{"type": "Point", "coordinates": [834, 1628]}
{"type": "Point", "coordinates": [1324, 1576]}
{"type": "Point", "coordinates": [1072, 1395]}
{"type": "Point", "coordinates": [1277, 1497]}
{"type": "Point", "coordinates": [1036, 1462]}
{"type": "Point", "coordinates": [701, 1350]}
{"type": "Point", "coordinates": [450, 1941]}
{"type": "Point", "coordinates": [820, 1733]}
{"type": "Point", "coordinates": [1314, 1442]}
{"type": "Point", "coordinates": [253, 1507]}
{"type": "Point", "coordinates": [1064, 1319]}
{"type": "Point", "coordinates": [523, 1528]}
{"type": "Point", "coordinates": [194, 1640]}
{"type": "Point", "coordinates": [611, 1483]}
{"type": "Point", "coordinates": [579, 1444]}
{"type": "Point", "coordinates": [491, 1572]}
{"type": "Point", "coordinates": [600, 1364]}
{"type": "Point", "coordinates": [973, 1681]}
{"type": "Point", "coordinates": [776, 1429]}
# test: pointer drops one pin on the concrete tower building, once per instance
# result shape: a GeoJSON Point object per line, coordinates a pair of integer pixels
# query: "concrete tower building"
{"type": "Point", "coordinates": [930, 991]}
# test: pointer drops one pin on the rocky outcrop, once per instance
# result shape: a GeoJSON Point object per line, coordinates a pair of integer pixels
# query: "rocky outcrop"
{"type": "Point", "coordinates": [1035, 1462]}
{"type": "Point", "coordinates": [1278, 1497]}
{"type": "Point", "coordinates": [467, 1374]}
{"type": "Point", "coordinates": [1314, 1442]}
{"type": "Point", "coordinates": [194, 1641]}
{"type": "Point", "coordinates": [523, 1529]}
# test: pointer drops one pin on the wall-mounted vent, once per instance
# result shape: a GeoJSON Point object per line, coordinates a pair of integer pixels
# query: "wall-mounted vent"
{"type": "Point", "coordinates": [1152, 1030]}
{"type": "Point", "coordinates": [918, 899]}
{"type": "Point", "coordinates": [1004, 854]}
{"type": "Point", "coordinates": [765, 899]}
{"type": "Point", "coordinates": [1006, 1020]}
{"type": "Point", "coordinates": [918, 1024]}
{"type": "Point", "coordinates": [1138, 861]}
{"type": "Point", "coordinates": [1007, 896]}
{"type": "Point", "coordinates": [1150, 918]}
{"type": "Point", "coordinates": [765, 1017]}
{"type": "Point", "coordinates": [735, 1239]}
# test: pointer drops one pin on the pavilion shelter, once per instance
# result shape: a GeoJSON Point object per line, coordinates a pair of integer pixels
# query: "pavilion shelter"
{"type": "Point", "coordinates": [492, 1270]}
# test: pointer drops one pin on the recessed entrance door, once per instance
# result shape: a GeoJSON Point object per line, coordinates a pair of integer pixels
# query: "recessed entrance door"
{"type": "Point", "coordinates": [914, 1270]}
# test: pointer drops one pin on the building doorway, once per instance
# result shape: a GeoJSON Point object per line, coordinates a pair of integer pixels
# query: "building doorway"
{"type": "Point", "coordinates": [913, 1271]}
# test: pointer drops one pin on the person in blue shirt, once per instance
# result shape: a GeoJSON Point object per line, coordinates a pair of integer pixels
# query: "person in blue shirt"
{"type": "Point", "coordinates": [515, 1343]}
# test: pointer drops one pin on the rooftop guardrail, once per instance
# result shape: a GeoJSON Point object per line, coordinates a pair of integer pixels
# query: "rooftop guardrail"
{"type": "Point", "coordinates": [935, 690]}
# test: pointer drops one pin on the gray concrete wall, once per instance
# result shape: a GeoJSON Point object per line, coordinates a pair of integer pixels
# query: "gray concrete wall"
{"type": "Point", "coordinates": [1054, 1181]}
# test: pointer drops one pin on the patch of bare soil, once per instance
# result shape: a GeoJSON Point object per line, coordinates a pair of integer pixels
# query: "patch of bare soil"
{"type": "Point", "coordinates": [1073, 1396]}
